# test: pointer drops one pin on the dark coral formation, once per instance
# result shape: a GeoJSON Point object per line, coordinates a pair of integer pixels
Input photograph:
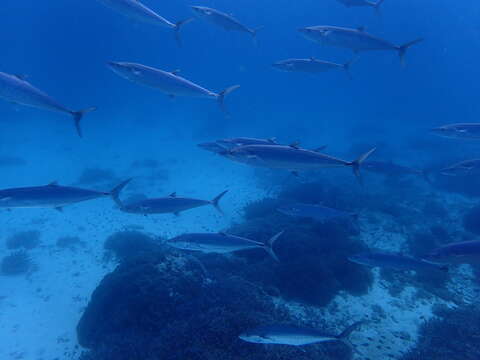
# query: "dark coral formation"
{"type": "Point", "coordinates": [17, 263]}
{"type": "Point", "coordinates": [453, 335]}
{"type": "Point", "coordinates": [24, 239]}
{"type": "Point", "coordinates": [163, 306]}
{"type": "Point", "coordinates": [471, 220]}
{"type": "Point", "coordinates": [129, 244]}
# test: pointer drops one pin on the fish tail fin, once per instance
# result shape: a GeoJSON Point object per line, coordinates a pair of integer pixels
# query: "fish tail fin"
{"type": "Point", "coordinates": [268, 246]}
{"type": "Point", "coordinates": [347, 65]}
{"type": "Point", "coordinates": [376, 7]}
{"type": "Point", "coordinates": [215, 201]}
{"type": "Point", "coordinates": [115, 192]}
{"type": "Point", "coordinates": [178, 27]}
{"type": "Point", "coordinates": [254, 34]}
{"type": "Point", "coordinates": [402, 49]}
{"type": "Point", "coordinates": [356, 164]}
{"type": "Point", "coordinates": [77, 117]}
{"type": "Point", "coordinates": [222, 94]}
{"type": "Point", "coordinates": [343, 337]}
{"type": "Point", "coordinates": [426, 176]}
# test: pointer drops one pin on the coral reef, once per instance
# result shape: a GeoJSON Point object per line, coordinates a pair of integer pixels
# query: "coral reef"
{"type": "Point", "coordinates": [452, 335]}
{"type": "Point", "coordinates": [24, 239]}
{"type": "Point", "coordinates": [160, 306]}
{"type": "Point", "coordinates": [130, 243]}
{"type": "Point", "coordinates": [17, 263]}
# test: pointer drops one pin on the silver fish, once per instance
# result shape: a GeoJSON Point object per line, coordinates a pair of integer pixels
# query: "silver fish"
{"type": "Point", "coordinates": [291, 158]}
{"type": "Point", "coordinates": [294, 335]}
{"type": "Point", "coordinates": [317, 212]}
{"type": "Point", "coordinates": [241, 141]}
{"type": "Point", "coordinates": [135, 10]}
{"type": "Point", "coordinates": [312, 65]}
{"type": "Point", "coordinates": [51, 196]}
{"type": "Point", "coordinates": [355, 39]}
{"type": "Point", "coordinates": [221, 243]}
{"type": "Point", "coordinates": [463, 168]}
{"type": "Point", "coordinates": [469, 131]}
{"type": "Point", "coordinates": [165, 205]}
{"type": "Point", "coordinates": [167, 82]}
{"type": "Point", "coordinates": [465, 252]}
{"type": "Point", "coordinates": [394, 261]}
{"type": "Point", "coordinates": [16, 89]}
{"type": "Point", "coordinates": [361, 3]}
{"type": "Point", "coordinates": [226, 21]}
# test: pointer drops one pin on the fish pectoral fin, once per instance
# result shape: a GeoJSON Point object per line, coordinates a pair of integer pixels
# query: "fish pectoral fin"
{"type": "Point", "coordinates": [175, 72]}
{"type": "Point", "coordinates": [361, 28]}
{"type": "Point", "coordinates": [295, 173]}
{"type": "Point", "coordinates": [22, 77]}
{"type": "Point", "coordinates": [176, 213]}
{"type": "Point", "coordinates": [173, 194]}
{"type": "Point", "coordinates": [59, 209]}
{"type": "Point", "coordinates": [53, 183]}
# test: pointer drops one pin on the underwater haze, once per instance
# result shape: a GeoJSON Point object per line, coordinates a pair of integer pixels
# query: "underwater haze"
{"type": "Point", "coordinates": [239, 180]}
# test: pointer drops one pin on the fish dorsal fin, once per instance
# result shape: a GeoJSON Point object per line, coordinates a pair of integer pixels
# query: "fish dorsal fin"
{"type": "Point", "coordinates": [53, 183]}
{"type": "Point", "coordinates": [320, 149]}
{"type": "Point", "coordinates": [272, 140]}
{"type": "Point", "coordinates": [222, 233]}
{"type": "Point", "coordinates": [295, 144]}
{"type": "Point", "coordinates": [312, 58]}
{"type": "Point", "coordinates": [22, 77]}
{"type": "Point", "coordinates": [361, 28]}
{"type": "Point", "coordinates": [175, 72]}
{"type": "Point", "coordinates": [173, 194]}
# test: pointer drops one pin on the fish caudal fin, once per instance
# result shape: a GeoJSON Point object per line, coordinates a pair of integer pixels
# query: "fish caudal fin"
{"type": "Point", "coordinates": [115, 192]}
{"type": "Point", "coordinates": [222, 94]}
{"type": "Point", "coordinates": [356, 164]}
{"type": "Point", "coordinates": [269, 245]}
{"type": "Point", "coordinates": [77, 117]}
{"type": "Point", "coordinates": [216, 200]}
{"type": "Point", "coordinates": [343, 337]}
{"type": "Point", "coordinates": [347, 65]}
{"type": "Point", "coordinates": [376, 6]}
{"type": "Point", "coordinates": [402, 49]}
{"type": "Point", "coordinates": [254, 34]}
{"type": "Point", "coordinates": [178, 27]}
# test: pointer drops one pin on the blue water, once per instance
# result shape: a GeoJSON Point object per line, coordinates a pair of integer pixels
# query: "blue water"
{"type": "Point", "coordinates": [63, 46]}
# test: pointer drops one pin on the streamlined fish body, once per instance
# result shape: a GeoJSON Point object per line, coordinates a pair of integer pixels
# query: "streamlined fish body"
{"type": "Point", "coordinates": [467, 131]}
{"type": "Point", "coordinates": [290, 158]}
{"type": "Point", "coordinates": [355, 39]}
{"type": "Point", "coordinates": [242, 141]}
{"type": "Point", "coordinates": [167, 82]}
{"type": "Point", "coordinates": [465, 252]}
{"type": "Point", "coordinates": [221, 19]}
{"type": "Point", "coordinates": [50, 196]}
{"type": "Point", "coordinates": [394, 261]}
{"type": "Point", "coordinates": [361, 3]}
{"type": "Point", "coordinates": [463, 168]}
{"type": "Point", "coordinates": [17, 90]}
{"type": "Point", "coordinates": [312, 66]}
{"type": "Point", "coordinates": [221, 243]}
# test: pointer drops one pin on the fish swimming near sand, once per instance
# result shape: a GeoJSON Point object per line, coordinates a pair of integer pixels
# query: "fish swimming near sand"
{"type": "Point", "coordinates": [51, 196]}
{"type": "Point", "coordinates": [462, 168]}
{"type": "Point", "coordinates": [16, 89]}
{"type": "Point", "coordinates": [316, 212]}
{"type": "Point", "coordinates": [357, 40]}
{"type": "Point", "coordinates": [295, 335]}
{"type": "Point", "coordinates": [466, 131]}
{"type": "Point", "coordinates": [312, 66]}
{"type": "Point", "coordinates": [165, 205]}
{"type": "Point", "coordinates": [465, 252]}
{"type": "Point", "coordinates": [167, 82]}
{"type": "Point", "coordinates": [135, 10]}
{"type": "Point", "coordinates": [291, 158]}
{"type": "Point", "coordinates": [223, 20]}
{"type": "Point", "coordinates": [395, 261]}
{"type": "Point", "coordinates": [221, 243]}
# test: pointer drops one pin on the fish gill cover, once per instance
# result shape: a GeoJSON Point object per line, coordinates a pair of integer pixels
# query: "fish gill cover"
{"type": "Point", "coordinates": [335, 129]}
